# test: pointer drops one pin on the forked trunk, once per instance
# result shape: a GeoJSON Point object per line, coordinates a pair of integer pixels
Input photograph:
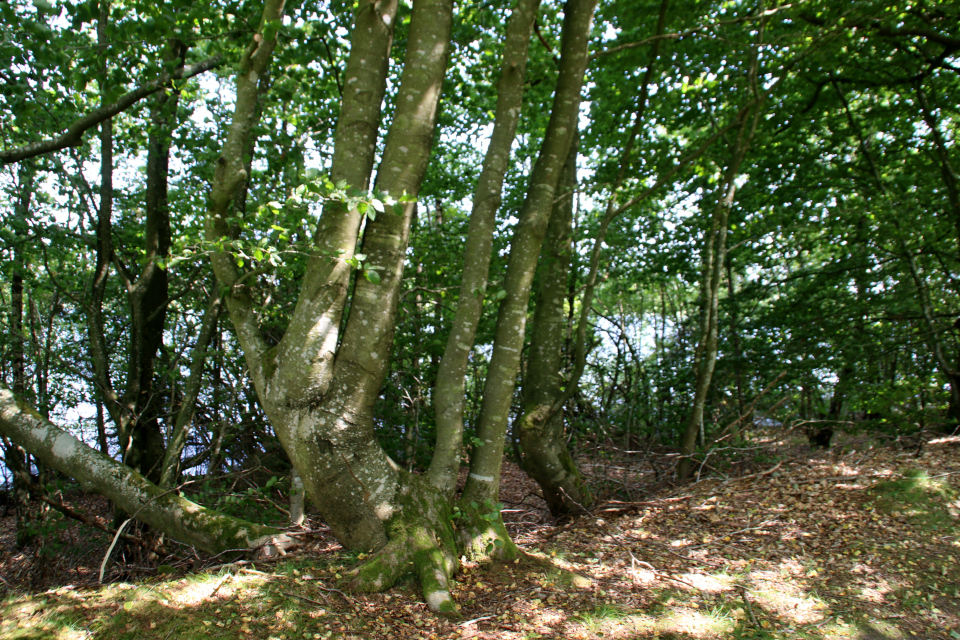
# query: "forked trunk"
{"type": "Point", "coordinates": [540, 430]}
{"type": "Point", "coordinates": [482, 531]}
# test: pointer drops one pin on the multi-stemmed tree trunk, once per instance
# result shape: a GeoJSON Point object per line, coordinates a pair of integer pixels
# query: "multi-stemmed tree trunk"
{"type": "Point", "coordinates": [713, 257]}
{"type": "Point", "coordinates": [482, 529]}
{"type": "Point", "coordinates": [712, 260]}
{"type": "Point", "coordinates": [546, 457]}
{"type": "Point", "coordinates": [317, 385]}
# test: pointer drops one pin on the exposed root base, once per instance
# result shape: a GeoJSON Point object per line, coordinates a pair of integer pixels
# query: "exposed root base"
{"type": "Point", "coordinates": [483, 536]}
{"type": "Point", "coordinates": [276, 545]}
{"type": "Point", "coordinates": [422, 541]}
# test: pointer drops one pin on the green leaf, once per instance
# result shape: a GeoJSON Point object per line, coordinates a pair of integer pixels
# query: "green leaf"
{"type": "Point", "coordinates": [271, 28]}
{"type": "Point", "coordinates": [372, 276]}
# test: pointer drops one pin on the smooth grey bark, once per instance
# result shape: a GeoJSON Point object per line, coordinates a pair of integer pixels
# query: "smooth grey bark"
{"type": "Point", "coordinates": [481, 492]}
{"type": "Point", "coordinates": [308, 347]}
{"type": "Point", "coordinates": [319, 397]}
{"type": "Point", "coordinates": [546, 457]}
{"type": "Point", "coordinates": [165, 511]}
{"type": "Point", "coordinates": [448, 397]}
{"type": "Point", "coordinates": [297, 499]}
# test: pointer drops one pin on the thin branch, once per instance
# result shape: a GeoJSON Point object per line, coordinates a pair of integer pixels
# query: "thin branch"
{"type": "Point", "coordinates": [73, 136]}
{"type": "Point", "coordinates": [695, 30]}
{"type": "Point", "coordinates": [547, 45]}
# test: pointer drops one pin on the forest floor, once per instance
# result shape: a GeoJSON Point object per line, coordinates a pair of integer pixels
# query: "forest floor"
{"type": "Point", "coordinates": [861, 542]}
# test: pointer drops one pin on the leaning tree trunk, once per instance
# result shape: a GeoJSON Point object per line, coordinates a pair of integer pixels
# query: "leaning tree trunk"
{"type": "Point", "coordinates": [481, 531]}
{"type": "Point", "coordinates": [165, 511]}
{"type": "Point", "coordinates": [540, 431]}
{"type": "Point", "coordinates": [546, 457]}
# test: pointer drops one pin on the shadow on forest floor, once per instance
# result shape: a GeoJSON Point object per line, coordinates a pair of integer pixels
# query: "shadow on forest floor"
{"type": "Point", "coordinates": [860, 543]}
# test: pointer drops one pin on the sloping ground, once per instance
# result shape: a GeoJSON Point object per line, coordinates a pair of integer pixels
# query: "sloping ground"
{"type": "Point", "coordinates": [858, 543]}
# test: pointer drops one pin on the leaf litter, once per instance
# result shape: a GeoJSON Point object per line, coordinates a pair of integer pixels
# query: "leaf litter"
{"type": "Point", "coordinates": [861, 542]}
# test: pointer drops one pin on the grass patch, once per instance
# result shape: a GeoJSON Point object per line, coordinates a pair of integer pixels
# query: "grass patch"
{"type": "Point", "coordinates": [33, 619]}
{"type": "Point", "coordinates": [929, 502]}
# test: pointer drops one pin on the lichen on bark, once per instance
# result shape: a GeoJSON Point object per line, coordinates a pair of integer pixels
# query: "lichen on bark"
{"type": "Point", "coordinates": [422, 541]}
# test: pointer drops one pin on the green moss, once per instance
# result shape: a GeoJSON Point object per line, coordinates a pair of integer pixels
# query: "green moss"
{"type": "Point", "coordinates": [382, 570]}
{"type": "Point", "coordinates": [422, 538]}
{"type": "Point", "coordinates": [483, 536]}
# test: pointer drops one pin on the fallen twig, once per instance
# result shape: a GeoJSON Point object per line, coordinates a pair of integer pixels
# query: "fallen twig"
{"type": "Point", "coordinates": [342, 594]}
{"type": "Point", "coordinates": [106, 556]}
{"type": "Point", "coordinates": [760, 474]}
{"type": "Point", "coordinates": [304, 598]}
{"type": "Point", "coordinates": [615, 506]}
{"type": "Point", "coordinates": [746, 602]}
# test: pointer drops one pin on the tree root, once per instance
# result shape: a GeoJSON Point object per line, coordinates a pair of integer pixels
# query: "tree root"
{"type": "Point", "coordinates": [421, 541]}
{"type": "Point", "coordinates": [482, 534]}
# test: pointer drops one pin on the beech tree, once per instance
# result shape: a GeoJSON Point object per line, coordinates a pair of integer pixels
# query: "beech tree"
{"type": "Point", "coordinates": [318, 385]}
{"type": "Point", "coordinates": [291, 214]}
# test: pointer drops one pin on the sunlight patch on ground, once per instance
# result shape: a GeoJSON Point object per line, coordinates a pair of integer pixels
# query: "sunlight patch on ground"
{"type": "Point", "coordinates": [34, 618]}
{"type": "Point", "coordinates": [696, 624]}
{"type": "Point", "coordinates": [706, 583]}
{"type": "Point", "coordinates": [785, 598]}
{"type": "Point", "coordinates": [193, 591]}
